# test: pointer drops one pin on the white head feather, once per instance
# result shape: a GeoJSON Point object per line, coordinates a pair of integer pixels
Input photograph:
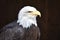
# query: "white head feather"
{"type": "Point", "coordinates": [24, 17]}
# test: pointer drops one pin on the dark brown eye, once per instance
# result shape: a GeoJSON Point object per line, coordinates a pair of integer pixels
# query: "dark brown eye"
{"type": "Point", "coordinates": [29, 11]}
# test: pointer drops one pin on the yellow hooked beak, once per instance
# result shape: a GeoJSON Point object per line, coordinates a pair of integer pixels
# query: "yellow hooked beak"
{"type": "Point", "coordinates": [36, 13]}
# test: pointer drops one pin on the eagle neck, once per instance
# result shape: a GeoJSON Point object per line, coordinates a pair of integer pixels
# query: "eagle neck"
{"type": "Point", "coordinates": [27, 22]}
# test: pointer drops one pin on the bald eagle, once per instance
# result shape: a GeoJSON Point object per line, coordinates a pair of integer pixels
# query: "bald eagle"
{"type": "Point", "coordinates": [24, 28]}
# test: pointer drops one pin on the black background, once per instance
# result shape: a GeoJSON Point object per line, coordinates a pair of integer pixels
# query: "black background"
{"type": "Point", "coordinates": [49, 23]}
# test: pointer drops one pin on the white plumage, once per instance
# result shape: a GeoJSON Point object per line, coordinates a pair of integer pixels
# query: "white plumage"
{"type": "Point", "coordinates": [24, 17]}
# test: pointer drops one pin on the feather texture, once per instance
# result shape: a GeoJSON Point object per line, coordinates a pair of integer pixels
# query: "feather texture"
{"type": "Point", "coordinates": [13, 31]}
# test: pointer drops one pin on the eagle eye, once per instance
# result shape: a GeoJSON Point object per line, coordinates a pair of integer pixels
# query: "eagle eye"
{"type": "Point", "coordinates": [29, 11]}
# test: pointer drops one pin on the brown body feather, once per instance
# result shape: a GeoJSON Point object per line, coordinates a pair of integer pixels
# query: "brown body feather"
{"type": "Point", "coordinates": [13, 31]}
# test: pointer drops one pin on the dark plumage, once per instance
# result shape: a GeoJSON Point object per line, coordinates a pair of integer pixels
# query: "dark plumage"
{"type": "Point", "coordinates": [13, 31]}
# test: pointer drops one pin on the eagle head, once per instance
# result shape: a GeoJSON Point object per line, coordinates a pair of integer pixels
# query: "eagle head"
{"type": "Point", "coordinates": [27, 16]}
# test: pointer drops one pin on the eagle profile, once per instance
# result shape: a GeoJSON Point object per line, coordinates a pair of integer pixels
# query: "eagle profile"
{"type": "Point", "coordinates": [25, 28]}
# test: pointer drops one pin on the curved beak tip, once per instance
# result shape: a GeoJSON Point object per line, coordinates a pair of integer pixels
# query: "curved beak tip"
{"type": "Point", "coordinates": [38, 13]}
